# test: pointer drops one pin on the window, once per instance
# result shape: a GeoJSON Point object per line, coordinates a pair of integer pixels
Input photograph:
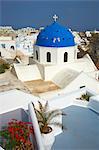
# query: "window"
{"type": "Point", "coordinates": [12, 47]}
{"type": "Point", "coordinates": [48, 57]}
{"type": "Point", "coordinates": [82, 86]}
{"type": "Point", "coordinates": [65, 56]}
{"type": "Point", "coordinates": [3, 45]}
{"type": "Point", "coordinates": [37, 55]}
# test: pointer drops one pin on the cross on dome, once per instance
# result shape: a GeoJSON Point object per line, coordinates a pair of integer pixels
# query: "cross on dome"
{"type": "Point", "coordinates": [55, 17]}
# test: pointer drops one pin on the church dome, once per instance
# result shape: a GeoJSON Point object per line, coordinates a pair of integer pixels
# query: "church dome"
{"type": "Point", "coordinates": [55, 35]}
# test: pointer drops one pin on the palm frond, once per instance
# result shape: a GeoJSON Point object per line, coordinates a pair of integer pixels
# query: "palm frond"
{"type": "Point", "coordinates": [33, 105]}
{"type": "Point", "coordinates": [49, 118]}
{"type": "Point", "coordinates": [45, 108]}
{"type": "Point", "coordinates": [39, 115]}
{"type": "Point", "coordinates": [52, 113]}
{"type": "Point", "coordinates": [40, 106]}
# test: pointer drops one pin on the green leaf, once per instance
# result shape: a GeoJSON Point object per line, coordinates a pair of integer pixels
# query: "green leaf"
{"type": "Point", "coordinates": [40, 106]}
{"type": "Point", "coordinates": [45, 109]}
{"type": "Point", "coordinates": [52, 114]}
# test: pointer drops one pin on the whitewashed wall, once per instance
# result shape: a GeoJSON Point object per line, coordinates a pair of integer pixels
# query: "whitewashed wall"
{"type": "Point", "coordinates": [57, 54]}
{"type": "Point", "coordinates": [8, 44]}
{"type": "Point", "coordinates": [83, 80]}
{"type": "Point", "coordinates": [27, 72]}
{"type": "Point", "coordinates": [71, 54]}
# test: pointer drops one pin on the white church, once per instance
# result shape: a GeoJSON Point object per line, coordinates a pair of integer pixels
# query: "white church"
{"type": "Point", "coordinates": [55, 59]}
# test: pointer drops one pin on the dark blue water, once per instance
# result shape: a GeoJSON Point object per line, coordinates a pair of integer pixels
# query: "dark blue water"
{"type": "Point", "coordinates": [79, 15]}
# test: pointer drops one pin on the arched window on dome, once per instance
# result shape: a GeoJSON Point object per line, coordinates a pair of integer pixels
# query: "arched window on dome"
{"type": "Point", "coordinates": [48, 57]}
{"type": "Point", "coordinates": [37, 55]}
{"type": "Point", "coordinates": [65, 57]}
{"type": "Point", "coordinates": [12, 47]}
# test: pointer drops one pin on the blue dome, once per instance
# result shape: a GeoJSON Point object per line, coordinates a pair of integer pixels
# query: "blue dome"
{"type": "Point", "coordinates": [55, 35]}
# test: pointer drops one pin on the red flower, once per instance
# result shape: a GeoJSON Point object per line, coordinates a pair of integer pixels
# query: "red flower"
{"type": "Point", "coordinates": [19, 132]}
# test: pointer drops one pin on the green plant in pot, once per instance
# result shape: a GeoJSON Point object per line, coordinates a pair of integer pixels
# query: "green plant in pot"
{"type": "Point", "coordinates": [46, 119]}
{"type": "Point", "coordinates": [84, 97]}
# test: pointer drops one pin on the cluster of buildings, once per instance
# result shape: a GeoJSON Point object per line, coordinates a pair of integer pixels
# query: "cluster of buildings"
{"type": "Point", "coordinates": [48, 64]}
{"type": "Point", "coordinates": [50, 54]}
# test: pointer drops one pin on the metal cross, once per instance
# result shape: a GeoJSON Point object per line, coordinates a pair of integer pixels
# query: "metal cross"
{"type": "Point", "coordinates": [55, 17]}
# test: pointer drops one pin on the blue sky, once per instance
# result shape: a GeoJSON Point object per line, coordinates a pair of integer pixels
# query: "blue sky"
{"type": "Point", "coordinates": [76, 14]}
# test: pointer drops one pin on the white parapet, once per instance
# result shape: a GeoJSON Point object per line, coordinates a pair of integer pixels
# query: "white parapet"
{"type": "Point", "coordinates": [36, 127]}
{"type": "Point", "coordinates": [27, 72]}
{"type": "Point", "coordinates": [94, 103]}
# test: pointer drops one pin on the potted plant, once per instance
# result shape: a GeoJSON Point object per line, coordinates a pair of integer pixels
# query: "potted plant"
{"type": "Point", "coordinates": [16, 136]}
{"type": "Point", "coordinates": [45, 119]}
{"type": "Point", "coordinates": [84, 97]}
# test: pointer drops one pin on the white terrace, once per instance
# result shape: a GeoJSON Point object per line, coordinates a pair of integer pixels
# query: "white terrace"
{"type": "Point", "coordinates": [81, 121]}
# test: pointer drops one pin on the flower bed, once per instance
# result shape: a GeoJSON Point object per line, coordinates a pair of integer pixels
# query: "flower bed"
{"type": "Point", "coordinates": [16, 135]}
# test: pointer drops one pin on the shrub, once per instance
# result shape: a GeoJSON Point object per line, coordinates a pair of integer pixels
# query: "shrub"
{"type": "Point", "coordinates": [2, 70]}
{"type": "Point", "coordinates": [3, 65]}
{"type": "Point", "coordinates": [6, 66]}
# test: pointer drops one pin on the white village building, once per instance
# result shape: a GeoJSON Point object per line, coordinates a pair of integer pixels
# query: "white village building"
{"type": "Point", "coordinates": [7, 47]}
{"type": "Point", "coordinates": [24, 46]}
{"type": "Point", "coordinates": [26, 31]}
{"type": "Point", "coordinates": [24, 43]}
{"type": "Point", "coordinates": [55, 59]}
{"type": "Point", "coordinates": [77, 38]}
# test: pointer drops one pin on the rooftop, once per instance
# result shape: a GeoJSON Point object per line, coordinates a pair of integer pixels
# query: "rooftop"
{"type": "Point", "coordinates": [40, 86]}
{"type": "Point", "coordinates": [55, 35]}
{"type": "Point", "coordinates": [82, 129]}
{"type": "Point", "coordinates": [8, 82]}
{"type": "Point", "coordinates": [81, 120]}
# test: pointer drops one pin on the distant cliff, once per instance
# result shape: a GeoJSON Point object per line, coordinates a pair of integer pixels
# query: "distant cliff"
{"type": "Point", "coordinates": [92, 47]}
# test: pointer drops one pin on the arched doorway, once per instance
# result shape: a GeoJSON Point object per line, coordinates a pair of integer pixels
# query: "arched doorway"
{"type": "Point", "coordinates": [37, 55]}
{"type": "Point", "coordinates": [65, 57]}
{"type": "Point", "coordinates": [48, 57]}
{"type": "Point", "coordinates": [12, 47]}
